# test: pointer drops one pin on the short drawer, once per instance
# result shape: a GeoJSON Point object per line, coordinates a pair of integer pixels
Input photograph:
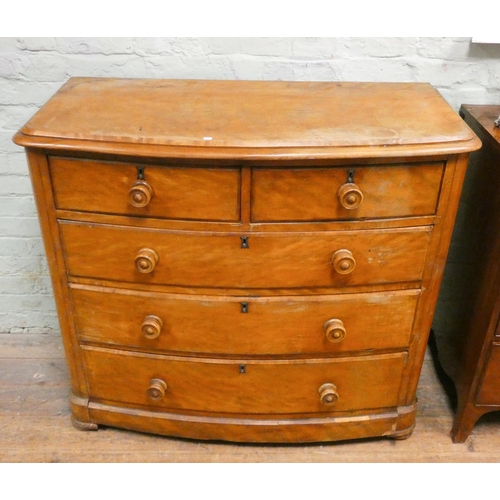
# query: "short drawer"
{"type": "Point", "coordinates": [244, 386]}
{"type": "Point", "coordinates": [242, 325]}
{"type": "Point", "coordinates": [322, 194]}
{"type": "Point", "coordinates": [170, 192]}
{"type": "Point", "coordinates": [259, 260]}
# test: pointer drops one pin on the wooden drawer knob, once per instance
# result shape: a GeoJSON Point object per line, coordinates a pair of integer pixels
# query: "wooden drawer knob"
{"type": "Point", "coordinates": [140, 194]}
{"type": "Point", "coordinates": [350, 196]}
{"type": "Point", "coordinates": [151, 326]}
{"type": "Point", "coordinates": [343, 261]}
{"type": "Point", "coordinates": [146, 260]}
{"type": "Point", "coordinates": [334, 330]}
{"type": "Point", "coordinates": [157, 388]}
{"type": "Point", "coordinates": [328, 394]}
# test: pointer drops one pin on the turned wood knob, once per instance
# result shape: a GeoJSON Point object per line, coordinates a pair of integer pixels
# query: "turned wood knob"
{"type": "Point", "coordinates": [350, 196]}
{"type": "Point", "coordinates": [343, 261]}
{"type": "Point", "coordinates": [140, 194]}
{"type": "Point", "coordinates": [151, 326]}
{"type": "Point", "coordinates": [328, 394]}
{"type": "Point", "coordinates": [334, 330]}
{"type": "Point", "coordinates": [146, 260]}
{"type": "Point", "coordinates": [157, 388]}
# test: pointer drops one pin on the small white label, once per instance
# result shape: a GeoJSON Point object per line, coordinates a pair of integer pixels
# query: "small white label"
{"type": "Point", "coordinates": [207, 138]}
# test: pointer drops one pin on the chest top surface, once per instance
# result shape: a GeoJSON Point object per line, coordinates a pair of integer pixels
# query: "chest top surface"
{"type": "Point", "coordinates": [231, 117]}
{"type": "Point", "coordinates": [484, 117]}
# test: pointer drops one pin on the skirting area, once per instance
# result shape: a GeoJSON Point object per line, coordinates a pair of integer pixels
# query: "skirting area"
{"type": "Point", "coordinates": [36, 426]}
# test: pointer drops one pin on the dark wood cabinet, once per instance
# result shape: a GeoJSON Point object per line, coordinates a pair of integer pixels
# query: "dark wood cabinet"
{"type": "Point", "coordinates": [469, 347]}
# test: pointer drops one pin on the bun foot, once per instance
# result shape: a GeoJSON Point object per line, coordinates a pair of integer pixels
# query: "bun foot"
{"type": "Point", "coordinates": [84, 426]}
{"type": "Point", "coordinates": [404, 434]}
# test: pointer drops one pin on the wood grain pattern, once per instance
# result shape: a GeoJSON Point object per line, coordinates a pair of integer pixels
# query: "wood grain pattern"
{"type": "Point", "coordinates": [312, 194]}
{"type": "Point", "coordinates": [179, 193]}
{"type": "Point", "coordinates": [218, 386]}
{"type": "Point", "coordinates": [278, 260]}
{"type": "Point", "coordinates": [250, 120]}
{"type": "Point", "coordinates": [40, 179]}
{"type": "Point", "coordinates": [272, 325]}
{"type": "Point", "coordinates": [250, 114]}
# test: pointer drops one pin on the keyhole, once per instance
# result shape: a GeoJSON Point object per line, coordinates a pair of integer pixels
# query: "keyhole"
{"type": "Point", "coordinates": [243, 368]}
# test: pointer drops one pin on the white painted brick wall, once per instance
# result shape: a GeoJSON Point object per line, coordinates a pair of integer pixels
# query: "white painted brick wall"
{"type": "Point", "coordinates": [32, 69]}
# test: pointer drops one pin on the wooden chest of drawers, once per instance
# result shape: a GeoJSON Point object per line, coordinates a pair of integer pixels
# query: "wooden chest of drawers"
{"type": "Point", "coordinates": [246, 261]}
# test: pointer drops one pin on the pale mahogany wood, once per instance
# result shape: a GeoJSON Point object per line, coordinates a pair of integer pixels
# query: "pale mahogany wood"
{"type": "Point", "coordinates": [289, 227]}
{"type": "Point", "coordinates": [252, 114]}
{"type": "Point", "coordinates": [470, 353]}
{"type": "Point", "coordinates": [234, 292]}
{"type": "Point", "coordinates": [254, 156]}
{"type": "Point", "coordinates": [274, 387]}
{"type": "Point", "coordinates": [45, 206]}
{"type": "Point", "coordinates": [271, 261]}
{"type": "Point", "coordinates": [206, 221]}
{"type": "Point", "coordinates": [433, 271]}
{"type": "Point", "coordinates": [186, 193]}
{"type": "Point", "coordinates": [313, 194]}
{"type": "Point", "coordinates": [272, 325]}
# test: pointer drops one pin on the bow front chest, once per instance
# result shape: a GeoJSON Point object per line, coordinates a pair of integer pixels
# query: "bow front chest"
{"type": "Point", "coordinates": [246, 261]}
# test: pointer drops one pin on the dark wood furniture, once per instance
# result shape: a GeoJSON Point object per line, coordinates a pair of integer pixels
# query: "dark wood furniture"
{"type": "Point", "coordinates": [246, 261]}
{"type": "Point", "coordinates": [470, 353]}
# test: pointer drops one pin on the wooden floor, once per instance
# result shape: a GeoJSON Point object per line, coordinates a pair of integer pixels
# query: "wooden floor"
{"type": "Point", "coordinates": [35, 424]}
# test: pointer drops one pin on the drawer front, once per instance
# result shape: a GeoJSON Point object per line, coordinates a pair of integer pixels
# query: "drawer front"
{"type": "Point", "coordinates": [165, 192]}
{"type": "Point", "coordinates": [489, 389]}
{"type": "Point", "coordinates": [329, 194]}
{"type": "Point", "coordinates": [255, 326]}
{"type": "Point", "coordinates": [242, 386]}
{"type": "Point", "coordinates": [286, 260]}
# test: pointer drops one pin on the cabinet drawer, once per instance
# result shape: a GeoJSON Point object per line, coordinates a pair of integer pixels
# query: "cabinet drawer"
{"type": "Point", "coordinates": [166, 192]}
{"type": "Point", "coordinates": [243, 386]}
{"type": "Point", "coordinates": [262, 260]}
{"type": "Point", "coordinates": [242, 325]}
{"type": "Point", "coordinates": [315, 194]}
{"type": "Point", "coordinates": [489, 390]}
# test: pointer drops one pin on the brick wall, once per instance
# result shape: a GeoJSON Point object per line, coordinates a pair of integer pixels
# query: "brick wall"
{"type": "Point", "coordinates": [32, 69]}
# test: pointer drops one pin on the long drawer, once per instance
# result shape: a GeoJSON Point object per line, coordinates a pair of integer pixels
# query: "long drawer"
{"type": "Point", "coordinates": [265, 260]}
{"type": "Point", "coordinates": [244, 386]}
{"type": "Point", "coordinates": [242, 325]}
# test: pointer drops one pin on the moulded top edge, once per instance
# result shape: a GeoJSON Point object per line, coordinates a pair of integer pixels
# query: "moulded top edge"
{"type": "Point", "coordinates": [246, 154]}
{"type": "Point", "coordinates": [230, 114]}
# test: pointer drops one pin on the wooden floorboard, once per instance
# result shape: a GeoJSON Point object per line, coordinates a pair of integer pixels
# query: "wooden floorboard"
{"type": "Point", "coordinates": [35, 425]}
